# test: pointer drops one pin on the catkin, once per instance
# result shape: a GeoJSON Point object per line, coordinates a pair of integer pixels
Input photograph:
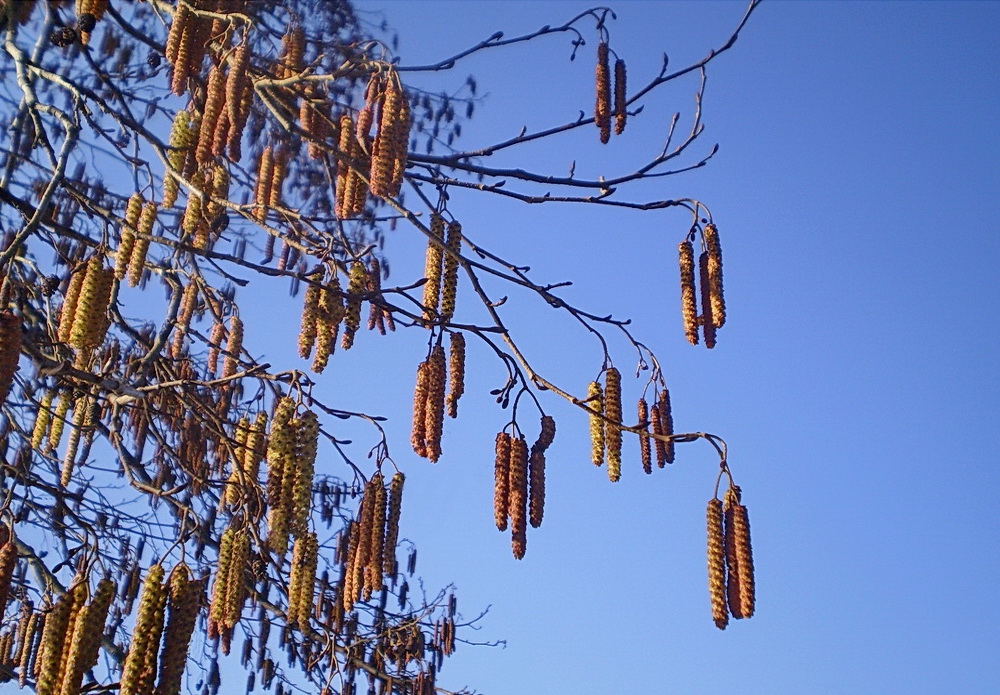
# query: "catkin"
{"type": "Point", "coordinates": [376, 542]}
{"type": "Point", "coordinates": [346, 126]}
{"type": "Point", "coordinates": [220, 588]}
{"type": "Point", "coordinates": [183, 138]}
{"type": "Point", "coordinates": [68, 313]}
{"type": "Point", "coordinates": [235, 583]}
{"type": "Point", "coordinates": [707, 319]}
{"type": "Point", "coordinates": [595, 401]}
{"type": "Point", "coordinates": [124, 252]}
{"type": "Point", "coordinates": [8, 561]}
{"type": "Point", "coordinates": [59, 418]}
{"type": "Point", "coordinates": [418, 432]}
{"type": "Point", "coordinates": [277, 177]}
{"type": "Point", "coordinates": [717, 564]}
{"type": "Point", "coordinates": [433, 260]}
{"type": "Point", "coordinates": [602, 107]}
{"type": "Point", "coordinates": [10, 351]}
{"type": "Point", "coordinates": [302, 581]}
{"type": "Point", "coordinates": [689, 308]}
{"type": "Point", "coordinates": [183, 603]}
{"type": "Point", "coordinates": [215, 106]}
{"type": "Point", "coordinates": [234, 346]}
{"type": "Point", "coordinates": [518, 496]}
{"type": "Point", "coordinates": [280, 474]}
{"type": "Point", "coordinates": [711, 237]}
{"type": "Point", "coordinates": [307, 328]}
{"type": "Point", "coordinates": [456, 371]}
{"type": "Point", "coordinates": [612, 427]}
{"type": "Point", "coordinates": [394, 505]}
{"type": "Point", "coordinates": [90, 321]}
{"type": "Point", "coordinates": [53, 644]}
{"type": "Point", "coordinates": [238, 84]}
{"type": "Point", "coordinates": [739, 556]}
{"type": "Point", "coordinates": [329, 314]}
{"type": "Point", "coordinates": [436, 377]}
{"type": "Point", "coordinates": [449, 277]}
{"type": "Point", "coordinates": [666, 424]}
{"type": "Point", "coordinates": [501, 481]}
{"type": "Point", "coordinates": [536, 489]}
{"type": "Point", "coordinates": [43, 421]}
{"type": "Point", "coordinates": [645, 450]}
{"type": "Point", "coordinates": [620, 109]}
{"type": "Point", "coordinates": [140, 662]}
{"type": "Point", "coordinates": [215, 337]}
{"type": "Point", "coordinates": [306, 444]}
{"type": "Point", "coordinates": [357, 282]}
{"type": "Point", "coordinates": [87, 633]}
{"type": "Point", "coordinates": [137, 260]}
{"type": "Point", "coordinates": [262, 189]}
{"type": "Point", "coordinates": [547, 433]}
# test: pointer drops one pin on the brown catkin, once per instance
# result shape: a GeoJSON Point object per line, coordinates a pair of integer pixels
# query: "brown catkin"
{"type": "Point", "coordinates": [10, 351]}
{"type": "Point", "coordinates": [518, 496]}
{"type": "Point", "coordinates": [277, 177]}
{"type": "Point", "coordinates": [456, 371]}
{"type": "Point", "coordinates": [739, 556]}
{"type": "Point", "coordinates": [215, 338]}
{"type": "Point", "coordinates": [595, 401]}
{"type": "Point", "coordinates": [140, 662]}
{"type": "Point", "coordinates": [418, 432]}
{"type": "Point", "coordinates": [29, 650]}
{"type": "Point", "coordinates": [184, 603]}
{"type": "Point", "coordinates": [436, 377]}
{"type": "Point", "coordinates": [645, 450]}
{"type": "Point", "coordinates": [689, 307]}
{"type": "Point", "coordinates": [449, 277]}
{"type": "Point", "coordinates": [8, 561]}
{"type": "Point", "coordinates": [546, 434]}
{"type": "Point", "coordinates": [659, 446]}
{"type": "Point", "coordinates": [707, 320]}
{"type": "Point", "coordinates": [394, 505]}
{"type": "Point", "coordinates": [501, 481]}
{"type": "Point", "coordinates": [621, 114]}
{"type": "Point", "coordinates": [215, 106]}
{"type": "Point", "coordinates": [433, 260]}
{"type": "Point", "coordinates": [536, 488]}
{"type": "Point", "coordinates": [349, 596]}
{"type": "Point", "coordinates": [613, 427]}
{"type": "Point", "coordinates": [234, 346]}
{"type": "Point", "coordinates": [137, 260]}
{"type": "Point", "coordinates": [666, 424]}
{"type": "Point", "coordinates": [72, 299]}
{"type": "Point", "coordinates": [717, 564]}
{"type": "Point", "coordinates": [602, 107]}
{"type": "Point", "coordinates": [376, 542]}
{"type": "Point", "coordinates": [717, 299]}
{"type": "Point", "coordinates": [262, 189]}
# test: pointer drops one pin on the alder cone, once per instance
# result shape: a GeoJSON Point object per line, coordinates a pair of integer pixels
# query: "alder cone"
{"type": "Point", "coordinates": [10, 351]}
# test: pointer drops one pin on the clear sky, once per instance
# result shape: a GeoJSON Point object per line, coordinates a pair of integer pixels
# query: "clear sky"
{"type": "Point", "coordinates": [856, 380]}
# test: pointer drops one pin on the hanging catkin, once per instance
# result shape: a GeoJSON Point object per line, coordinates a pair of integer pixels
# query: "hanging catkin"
{"type": "Point", "coordinates": [449, 277]}
{"type": "Point", "coordinates": [234, 346]}
{"type": "Point", "coordinates": [645, 450]}
{"type": "Point", "coordinates": [68, 312]}
{"type": "Point", "coordinates": [612, 426]}
{"type": "Point", "coordinates": [621, 114]}
{"type": "Point", "coordinates": [717, 564]}
{"type": "Point", "coordinates": [394, 505]}
{"type": "Point", "coordinates": [714, 249]}
{"type": "Point", "coordinates": [184, 603]}
{"type": "Point", "coordinates": [87, 634]}
{"type": "Point", "coordinates": [183, 138]}
{"type": "Point", "coordinates": [131, 220]}
{"type": "Point", "coordinates": [357, 282]}
{"type": "Point", "coordinates": [739, 556]}
{"type": "Point", "coordinates": [436, 381]}
{"type": "Point", "coordinates": [602, 107]}
{"type": "Point", "coordinates": [689, 307]}
{"type": "Point", "coordinates": [536, 487]}
{"type": "Point", "coordinates": [139, 669]}
{"type": "Point", "coordinates": [595, 401]}
{"type": "Point", "coordinates": [329, 314]}
{"type": "Point", "coordinates": [501, 481]}
{"type": "Point", "coordinates": [666, 424]}
{"type": "Point", "coordinates": [418, 432]}
{"type": "Point", "coordinates": [90, 320]}
{"type": "Point", "coordinates": [707, 319]}
{"type": "Point", "coordinates": [456, 371]}
{"type": "Point", "coordinates": [137, 260]}
{"type": "Point", "coordinates": [262, 189]}
{"type": "Point", "coordinates": [518, 496]}
{"type": "Point", "coordinates": [433, 260]}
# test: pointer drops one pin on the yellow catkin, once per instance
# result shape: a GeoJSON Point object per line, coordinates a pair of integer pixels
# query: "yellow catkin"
{"type": "Point", "coordinates": [357, 282]}
{"type": "Point", "coordinates": [612, 427]}
{"type": "Point", "coordinates": [235, 584]}
{"type": "Point", "coordinates": [234, 346]}
{"type": "Point", "coordinates": [456, 372]}
{"type": "Point", "coordinates": [602, 106]}
{"type": "Point", "coordinates": [91, 322]}
{"type": "Point", "coordinates": [59, 418]}
{"type": "Point", "coordinates": [517, 506]}
{"type": "Point", "coordinates": [87, 634]}
{"type": "Point", "coordinates": [383, 155]}
{"type": "Point", "coordinates": [10, 351]}
{"type": "Point", "coordinates": [182, 139]}
{"type": "Point", "coordinates": [280, 468]}
{"type": "Point", "coordinates": [307, 328]}
{"type": "Point", "coordinates": [436, 378]}
{"type": "Point", "coordinates": [80, 409]}
{"type": "Point", "coordinates": [140, 662]}
{"type": "Point", "coordinates": [418, 432]}
{"type": "Point", "coordinates": [595, 401]}
{"type": "Point", "coordinates": [501, 481]}
{"type": "Point", "coordinates": [329, 314]}
{"type": "Point", "coordinates": [29, 650]}
{"type": "Point", "coordinates": [717, 564]}
{"type": "Point", "coordinates": [449, 278]}
{"type": "Point", "coordinates": [536, 486]}
{"type": "Point", "coordinates": [69, 305]}
{"type": "Point", "coordinates": [739, 556]}
{"type": "Point", "coordinates": [376, 542]}
{"type": "Point", "coordinates": [717, 299]}
{"type": "Point", "coordinates": [349, 597]}
{"type": "Point", "coordinates": [433, 261]}
{"type": "Point", "coordinates": [689, 307]}
{"type": "Point", "coordinates": [8, 561]}
{"type": "Point", "coordinates": [43, 421]}
{"type": "Point", "coordinates": [184, 603]}
{"type": "Point", "coordinates": [220, 587]}
{"type": "Point", "coordinates": [707, 320]}
{"type": "Point", "coordinates": [302, 581]}
{"type": "Point", "coordinates": [306, 445]}
{"type": "Point", "coordinates": [277, 178]}
{"type": "Point", "coordinates": [124, 252]}
{"type": "Point", "coordinates": [137, 261]}
{"type": "Point", "coordinates": [645, 448]}
{"type": "Point", "coordinates": [262, 190]}
{"type": "Point", "coordinates": [366, 515]}
{"type": "Point", "coordinates": [215, 106]}
{"type": "Point", "coordinates": [53, 644]}
{"type": "Point", "coordinates": [394, 506]}
{"type": "Point", "coordinates": [256, 447]}
{"type": "Point", "coordinates": [346, 127]}
{"type": "Point", "coordinates": [78, 597]}
{"type": "Point", "coordinates": [401, 145]}
{"type": "Point", "coordinates": [235, 485]}
{"type": "Point", "coordinates": [621, 114]}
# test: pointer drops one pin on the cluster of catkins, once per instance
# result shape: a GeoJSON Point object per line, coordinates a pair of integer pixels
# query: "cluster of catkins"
{"type": "Point", "coordinates": [519, 483]}
{"type": "Point", "coordinates": [604, 108]}
{"type": "Point", "coordinates": [713, 303]}
{"type": "Point", "coordinates": [730, 559]}
{"type": "Point", "coordinates": [440, 383]}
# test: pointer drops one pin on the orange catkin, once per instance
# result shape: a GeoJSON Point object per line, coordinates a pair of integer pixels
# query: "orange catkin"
{"type": "Point", "coordinates": [711, 236]}
{"type": "Point", "coordinates": [517, 506]}
{"type": "Point", "coordinates": [418, 434]}
{"type": "Point", "coordinates": [707, 320]}
{"type": "Point", "coordinates": [689, 307]}
{"type": "Point", "coordinates": [436, 379]}
{"type": "Point", "coordinates": [717, 564]}
{"type": "Point", "coordinates": [501, 481]}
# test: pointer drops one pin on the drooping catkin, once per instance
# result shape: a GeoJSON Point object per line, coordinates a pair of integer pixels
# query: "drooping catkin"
{"type": "Point", "coordinates": [131, 220]}
{"type": "Point", "coordinates": [394, 506]}
{"type": "Point", "coordinates": [10, 351]}
{"type": "Point", "coordinates": [183, 138]}
{"type": "Point", "coordinates": [234, 346]}
{"type": "Point", "coordinates": [666, 424]}
{"type": "Point", "coordinates": [215, 106]}
{"type": "Point", "coordinates": [137, 260]}
{"type": "Point", "coordinates": [280, 474]}
{"type": "Point", "coordinates": [456, 371]}
{"type": "Point", "coordinates": [43, 420]}
{"type": "Point", "coordinates": [645, 449]}
{"type": "Point", "coordinates": [220, 587]}
{"type": "Point", "coordinates": [215, 338]}
{"type": "Point", "coordinates": [433, 261]}
{"type": "Point", "coordinates": [53, 644]}
{"type": "Point", "coordinates": [70, 302]}
{"type": "Point", "coordinates": [384, 147]}
{"type": "Point", "coordinates": [710, 234]}
{"type": "Point", "coordinates": [139, 670]}
{"type": "Point", "coordinates": [376, 542]}
{"type": "Point", "coordinates": [307, 328]}
{"type": "Point", "coordinates": [612, 427]}
{"type": "Point", "coordinates": [344, 147]}
{"type": "Point", "coordinates": [90, 321]}
{"type": "Point", "coordinates": [351, 588]}
{"type": "Point", "coordinates": [449, 278]}
{"type": "Point", "coordinates": [281, 156]}
{"type": "Point", "coordinates": [87, 634]}
{"type": "Point", "coordinates": [8, 561]}
{"type": "Point", "coordinates": [536, 487]}
{"type": "Point", "coordinates": [717, 564]}
{"type": "Point", "coordinates": [235, 584]}
{"type": "Point", "coordinates": [357, 282]}
{"type": "Point", "coordinates": [262, 189]}
{"type": "Point", "coordinates": [547, 433]}
{"type": "Point", "coordinates": [59, 418]}
{"type": "Point", "coordinates": [501, 481]}
{"type": "Point", "coordinates": [689, 307]}
{"type": "Point", "coordinates": [739, 556]}
{"type": "Point", "coordinates": [707, 319]}
{"type": "Point", "coordinates": [329, 314]}
{"type": "Point", "coordinates": [436, 378]}
{"type": "Point", "coordinates": [602, 107]}
{"type": "Point", "coordinates": [237, 85]}
{"type": "Point", "coordinates": [184, 603]}
{"type": "Point", "coordinates": [418, 432]}
{"type": "Point", "coordinates": [621, 113]}
{"type": "Point", "coordinates": [302, 582]}
{"type": "Point", "coordinates": [306, 445]}
{"type": "Point", "coordinates": [595, 401]}
{"type": "Point", "coordinates": [518, 496]}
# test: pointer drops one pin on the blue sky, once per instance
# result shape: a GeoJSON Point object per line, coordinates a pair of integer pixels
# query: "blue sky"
{"type": "Point", "coordinates": [856, 195]}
